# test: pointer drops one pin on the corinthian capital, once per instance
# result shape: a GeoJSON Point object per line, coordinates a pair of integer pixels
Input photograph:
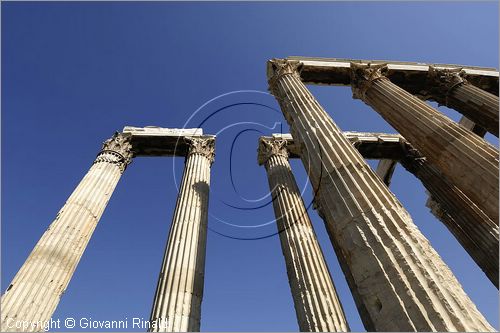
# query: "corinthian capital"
{"type": "Point", "coordinates": [270, 147]}
{"type": "Point", "coordinates": [362, 77]}
{"type": "Point", "coordinates": [116, 149]}
{"type": "Point", "coordinates": [442, 81]}
{"type": "Point", "coordinates": [280, 68]}
{"type": "Point", "coordinates": [203, 146]}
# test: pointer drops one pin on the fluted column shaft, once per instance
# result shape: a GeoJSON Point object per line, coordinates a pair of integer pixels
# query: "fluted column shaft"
{"type": "Point", "coordinates": [177, 301]}
{"type": "Point", "coordinates": [467, 160]}
{"type": "Point", "coordinates": [450, 88]}
{"type": "Point", "coordinates": [315, 299]}
{"type": "Point", "coordinates": [36, 289]}
{"type": "Point", "coordinates": [475, 231]}
{"type": "Point", "coordinates": [398, 280]}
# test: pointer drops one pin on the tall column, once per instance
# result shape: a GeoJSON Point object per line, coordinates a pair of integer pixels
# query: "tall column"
{"type": "Point", "coordinates": [475, 231]}
{"type": "Point", "coordinates": [34, 293]}
{"type": "Point", "coordinates": [177, 301]}
{"type": "Point", "coordinates": [449, 87]}
{"type": "Point", "coordinates": [315, 299]}
{"type": "Point", "coordinates": [466, 159]}
{"type": "Point", "coordinates": [398, 280]}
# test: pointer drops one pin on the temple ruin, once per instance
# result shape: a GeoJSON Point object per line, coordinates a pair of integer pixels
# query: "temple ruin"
{"type": "Point", "coordinates": [398, 281]}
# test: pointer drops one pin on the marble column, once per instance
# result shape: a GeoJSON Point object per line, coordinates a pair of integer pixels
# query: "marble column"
{"type": "Point", "coordinates": [177, 301]}
{"type": "Point", "coordinates": [474, 230]}
{"type": "Point", "coordinates": [465, 159]}
{"type": "Point", "coordinates": [398, 281]}
{"type": "Point", "coordinates": [36, 289]}
{"type": "Point", "coordinates": [449, 87]}
{"type": "Point", "coordinates": [315, 299]}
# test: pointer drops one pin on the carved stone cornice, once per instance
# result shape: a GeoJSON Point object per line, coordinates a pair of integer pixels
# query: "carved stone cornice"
{"type": "Point", "coordinates": [202, 146]}
{"type": "Point", "coordinates": [117, 150]}
{"type": "Point", "coordinates": [440, 81]}
{"type": "Point", "coordinates": [363, 76]}
{"type": "Point", "coordinates": [282, 67]}
{"type": "Point", "coordinates": [271, 147]}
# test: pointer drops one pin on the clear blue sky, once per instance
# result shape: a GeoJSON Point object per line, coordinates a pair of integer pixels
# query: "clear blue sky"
{"type": "Point", "coordinates": [73, 73]}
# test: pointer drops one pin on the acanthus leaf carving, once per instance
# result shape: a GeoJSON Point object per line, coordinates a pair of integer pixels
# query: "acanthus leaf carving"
{"type": "Point", "coordinates": [363, 76]}
{"type": "Point", "coordinates": [120, 149]}
{"type": "Point", "coordinates": [271, 147]}
{"type": "Point", "coordinates": [203, 146]}
{"type": "Point", "coordinates": [282, 67]}
{"type": "Point", "coordinates": [441, 81]}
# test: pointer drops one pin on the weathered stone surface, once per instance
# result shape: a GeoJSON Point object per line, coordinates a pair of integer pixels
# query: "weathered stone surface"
{"type": "Point", "coordinates": [449, 87]}
{"type": "Point", "coordinates": [398, 280]}
{"type": "Point", "coordinates": [36, 289]}
{"type": "Point", "coordinates": [177, 301]}
{"type": "Point", "coordinates": [316, 302]}
{"type": "Point", "coordinates": [475, 231]}
{"type": "Point", "coordinates": [482, 251]}
{"type": "Point", "coordinates": [467, 160]}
